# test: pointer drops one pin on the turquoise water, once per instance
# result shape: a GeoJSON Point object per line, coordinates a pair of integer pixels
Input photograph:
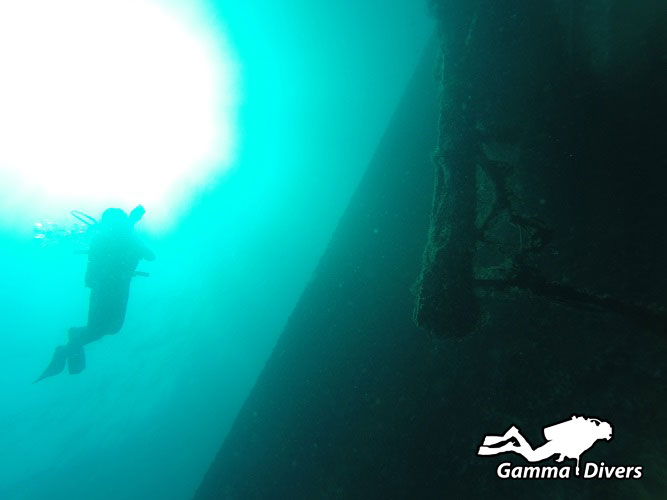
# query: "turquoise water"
{"type": "Point", "coordinates": [317, 87]}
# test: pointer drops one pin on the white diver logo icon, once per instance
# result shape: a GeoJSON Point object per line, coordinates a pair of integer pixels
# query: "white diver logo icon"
{"type": "Point", "coordinates": [568, 439]}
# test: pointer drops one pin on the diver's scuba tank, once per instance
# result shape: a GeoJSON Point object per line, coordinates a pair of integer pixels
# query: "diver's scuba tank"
{"type": "Point", "coordinates": [565, 429]}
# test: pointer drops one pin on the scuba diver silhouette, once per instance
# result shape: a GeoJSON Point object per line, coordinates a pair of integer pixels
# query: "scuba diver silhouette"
{"type": "Point", "coordinates": [113, 256]}
{"type": "Point", "coordinates": [568, 439]}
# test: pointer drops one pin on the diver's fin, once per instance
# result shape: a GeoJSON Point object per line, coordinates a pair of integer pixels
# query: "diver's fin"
{"type": "Point", "coordinates": [57, 363]}
{"type": "Point", "coordinates": [491, 440]}
{"type": "Point", "coordinates": [76, 361]}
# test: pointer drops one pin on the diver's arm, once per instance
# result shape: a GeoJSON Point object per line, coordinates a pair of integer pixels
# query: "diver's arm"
{"type": "Point", "coordinates": [147, 254]}
{"type": "Point", "coordinates": [135, 216]}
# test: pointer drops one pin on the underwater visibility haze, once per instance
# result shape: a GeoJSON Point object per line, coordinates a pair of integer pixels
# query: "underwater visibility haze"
{"type": "Point", "coordinates": [243, 129]}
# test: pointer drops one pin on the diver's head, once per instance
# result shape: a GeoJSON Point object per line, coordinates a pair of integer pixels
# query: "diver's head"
{"type": "Point", "coordinates": [136, 214]}
{"type": "Point", "coordinates": [605, 430]}
{"type": "Point", "coordinates": [114, 218]}
{"type": "Point", "coordinates": [602, 429]}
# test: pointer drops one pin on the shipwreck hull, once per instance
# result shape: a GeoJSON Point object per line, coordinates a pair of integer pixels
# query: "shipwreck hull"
{"type": "Point", "coordinates": [534, 266]}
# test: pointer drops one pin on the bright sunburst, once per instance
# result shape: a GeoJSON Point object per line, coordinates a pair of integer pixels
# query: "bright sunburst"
{"type": "Point", "coordinates": [109, 103]}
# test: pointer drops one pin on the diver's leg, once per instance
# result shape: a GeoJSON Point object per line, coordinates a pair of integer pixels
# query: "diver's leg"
{"type": "Point", "coordinates": [117, 307]}
{"type": "Point", "coordinates": [96, 313]}
{"type": "Point", "coordinates": [76, 333]}
{"type": "Point", "coordinates": [489, 450]}
{"type": "Point", "coordinates": [76, 361]}
{"type": "Point", "coordinates": [518, 445]}
{"type": "Point", "coordinates": [523, 449]}
{"type": "Point", "coordinates": [80, 336]}
{"type": "Point", "coordinates": [106, 313]}
{"type": "Point", "coordinates": [538, 454]}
